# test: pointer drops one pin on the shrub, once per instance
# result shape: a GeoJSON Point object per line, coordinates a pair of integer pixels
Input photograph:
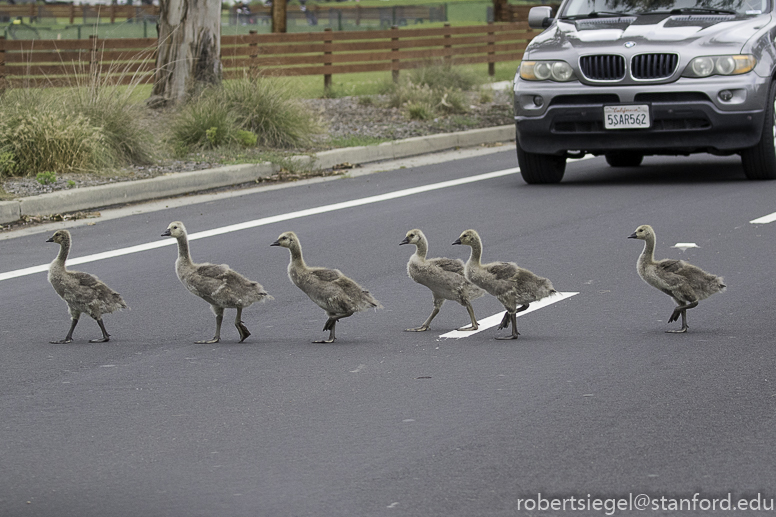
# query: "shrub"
{"type": "Point", "coordinates": [46, 178]}
{"type": "Point", "coordinates": [420, 110]}
{"type": "Point", "coordinates": [266, 106]}
{"type": "Point", "coordinates": [37, 138]}
{"type": "Point", "coordinates": [8, 165]}
{"type": "Point", "coordinates": [246, 112]}
{"type": "Point", "coordinates": [203, 123]}
{"type": "Point", "coordinates": [441, 75]}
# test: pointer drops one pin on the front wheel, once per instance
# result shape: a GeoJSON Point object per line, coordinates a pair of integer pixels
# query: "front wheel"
{"type": "Point", "coordinates": [760, 161]}
{"type": "Point", "coordinates": [540, 168]}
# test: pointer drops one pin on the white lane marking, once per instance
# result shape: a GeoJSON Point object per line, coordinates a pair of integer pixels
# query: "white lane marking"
{"type": "Point", "coordinates": [266, 220]}
{"type": "Point", "coordinates": [492, 321]}
{"type": "Point", "coordinates": [764, 219]}
{"type": "Point", "coordinates": [684, 246]}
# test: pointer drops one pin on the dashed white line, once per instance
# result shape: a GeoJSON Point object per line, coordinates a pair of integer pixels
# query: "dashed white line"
{"type": "Point", "coordinates": [764, 219]}
{"type": "Point", "coordinates": [492, 321]}
{"type": "Point", "coordinates": [266, 220]}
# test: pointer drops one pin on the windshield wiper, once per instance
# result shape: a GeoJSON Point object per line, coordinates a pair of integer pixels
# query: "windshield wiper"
{"type": "Point", "coordinates": [595, 14]}
{"type": "Point", "coordinates": [682, 10]}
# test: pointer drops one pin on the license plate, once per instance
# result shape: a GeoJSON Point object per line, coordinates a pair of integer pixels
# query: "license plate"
{"type": "Point", "coordinates": [626, 117]}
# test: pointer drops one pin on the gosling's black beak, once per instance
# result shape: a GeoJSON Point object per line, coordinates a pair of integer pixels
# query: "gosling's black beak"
{"type": "Point", "coordinates": [405, 241]}
{"type": "Point", "coordinates": [632, 236]}
{"type": "Point", "coordinates": [276, 243]}
{"type": "Point", "coordinates": [457, 241]}
{"type": "Point", "coordinates": [50, 239]}
{"type": "Point", "coordinates": [167, 233]}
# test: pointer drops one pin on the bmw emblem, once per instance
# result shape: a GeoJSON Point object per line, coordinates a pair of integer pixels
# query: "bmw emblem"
{"type": "Point", "coordinates": [630, 44]}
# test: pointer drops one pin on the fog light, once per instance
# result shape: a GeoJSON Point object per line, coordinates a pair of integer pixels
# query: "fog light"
{"type": "Point", "coordinates": [538, 100]}
{"type": "Point", "coordinates": [725, 95]}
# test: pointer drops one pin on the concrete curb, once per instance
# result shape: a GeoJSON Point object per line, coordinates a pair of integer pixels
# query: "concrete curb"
{"type": "Point", "coordinates": [184, 182]}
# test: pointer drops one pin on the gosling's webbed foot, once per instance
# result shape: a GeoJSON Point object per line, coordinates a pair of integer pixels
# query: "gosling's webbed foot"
{"type": "Point", "coordinates": [680, 331]}
{"type": "Point", "coordinates": [208, 342]}
{"type": "Point", "coordinates": [505, 338]}
{"type": "Point", "coordinates": [504, 321]}
{"type": "Point", "coordinates": [243, 330]}
{"type": "Point", "coordinates": [325, 341]}
{"type": "Point", "coordinates": [470, 327]}
{"type": "Point", "coordinates": [101, 340]}
{"type": "Point", "coordinates": [422, 328]}
{"type": "Point", "coordinates": [61, 341]}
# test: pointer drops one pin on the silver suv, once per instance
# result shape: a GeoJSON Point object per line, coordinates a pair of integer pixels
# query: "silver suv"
{"type": "Point", "coordinates": [629, 78]}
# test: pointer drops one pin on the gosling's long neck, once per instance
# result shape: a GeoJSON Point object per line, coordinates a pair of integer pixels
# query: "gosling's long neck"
{"type": "Point", "coordinates": [421, 249]}
{"type": "Point", "coordinates": [297, 261]}
{"type": "Point", "coordinates": [648, 254]}
{"type": "Point", "coordinates": [64, 251]}
{"type": "Point", "coordinates": [476, 255]}
{"type": "Point", "coordinates": [184, 255]}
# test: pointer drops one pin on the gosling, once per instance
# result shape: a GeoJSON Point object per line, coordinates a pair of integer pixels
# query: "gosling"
{"type": "Point", "coordinates": [443, 276]}
{"type": "Point", "coordinates": [81, 291]}
{"type": "Point", "coordinates": [510, 284]}
{"type": "Point", "coordinates": [332, 291]}
{"type": "Point", "coordinates": [685, 283]}
{"type": "Point", "coordinates": [220, 286]}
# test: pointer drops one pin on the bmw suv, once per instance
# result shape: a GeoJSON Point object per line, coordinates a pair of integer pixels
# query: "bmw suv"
{"type": "Point", "coordinates": [629, 78]}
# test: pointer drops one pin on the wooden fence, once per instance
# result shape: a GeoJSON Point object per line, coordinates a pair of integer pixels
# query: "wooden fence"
{"type": "Point", "coordinates": [121, 61]}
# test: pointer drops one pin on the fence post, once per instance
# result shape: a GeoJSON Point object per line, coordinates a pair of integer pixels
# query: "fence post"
{"type": "Point", "coordinates": [254, 47]}
{"type": "Point", "coordinates": [72, 14]}
{"type": "Point", "coordinates": [327, 58]}
{"type": "Point", "coordinates": [2, 64]}
{"type": "Point", "coordinates": [395, 52]}
{"type": "Point", "coordinates": [491, 50]}
{"type": "Point", "coordinates": [112, 13]}
{"type": "Point", "coordinates": [448, 43]}
{"type": "Point", "coordinates": [358, 15]}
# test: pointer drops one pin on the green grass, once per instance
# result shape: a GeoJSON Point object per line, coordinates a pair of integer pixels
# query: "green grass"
{"type": "Point", "coordinates": [355, 141]}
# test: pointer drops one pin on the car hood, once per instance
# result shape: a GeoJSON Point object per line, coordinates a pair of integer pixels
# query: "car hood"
{"type": "Point", "coordinates": [657, 33]}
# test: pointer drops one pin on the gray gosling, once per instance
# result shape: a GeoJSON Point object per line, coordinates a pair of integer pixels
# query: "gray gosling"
{"type": "Point", "coordinates": [217, 284]}
{"type": "Point", "coordinates": [332, 291]}
{"type": "Point", "coordinates": [685, 283]}
{"type": "Point", "coordinates": [81, 291]}
{"type": "Point", "coordinates": [443, 276]}
{"type": "Point", "coordinates": [510, 284]}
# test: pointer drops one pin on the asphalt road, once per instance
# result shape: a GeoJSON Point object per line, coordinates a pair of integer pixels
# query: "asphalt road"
{"type": "Point", "coordinates": [594, 400]}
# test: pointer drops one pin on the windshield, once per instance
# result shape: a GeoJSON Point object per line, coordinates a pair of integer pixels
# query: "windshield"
{"type": "Point", "coordinates": [583, 8]}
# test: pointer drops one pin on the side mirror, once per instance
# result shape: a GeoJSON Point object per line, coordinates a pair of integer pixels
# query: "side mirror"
{"type": "Point", "coordinates": [540, 17]}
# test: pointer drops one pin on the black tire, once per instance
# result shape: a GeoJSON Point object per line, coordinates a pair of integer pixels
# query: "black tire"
{"type": "Point", "coordinates": [760, 161]}
{"type": "Point", "coordinates": [624, 159]}
{"type": "Point", "coordinates": [540, 168]}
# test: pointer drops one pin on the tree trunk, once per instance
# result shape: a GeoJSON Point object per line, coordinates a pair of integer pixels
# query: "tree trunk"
{"type": "Point", "coordinates": [278, 15]}
{"type": "Point", "coordinates": [189, 48]}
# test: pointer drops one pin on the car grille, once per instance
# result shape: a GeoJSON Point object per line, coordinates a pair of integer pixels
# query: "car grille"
{"type": "Point", "coordinates": [653, 66]}
{"type": "Point", "coordinates": [643, 66]}
{"type": "Point", "coordinates": [603, 67]}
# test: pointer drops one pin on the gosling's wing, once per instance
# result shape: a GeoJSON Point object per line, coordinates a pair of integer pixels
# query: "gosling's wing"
{"type": "Point", "coordinates": [449, 265]}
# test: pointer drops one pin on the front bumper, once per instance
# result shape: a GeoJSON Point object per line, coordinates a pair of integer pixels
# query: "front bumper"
{"type": "Point", "coordinates": [683, 120]}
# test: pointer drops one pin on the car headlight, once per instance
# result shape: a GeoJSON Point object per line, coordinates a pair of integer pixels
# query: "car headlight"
{"type": "Point", "coordinates": [705, 66]}
{"type": "Point", "coordinates": [546, 71]}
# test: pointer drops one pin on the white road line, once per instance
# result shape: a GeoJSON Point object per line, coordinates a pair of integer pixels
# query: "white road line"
{"type": "Point", "coordinates": [765, 219]}
{"type": "Point", "coordinates": [265, 221]}
{"type": "Point", "coordinates": [492, 321]}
